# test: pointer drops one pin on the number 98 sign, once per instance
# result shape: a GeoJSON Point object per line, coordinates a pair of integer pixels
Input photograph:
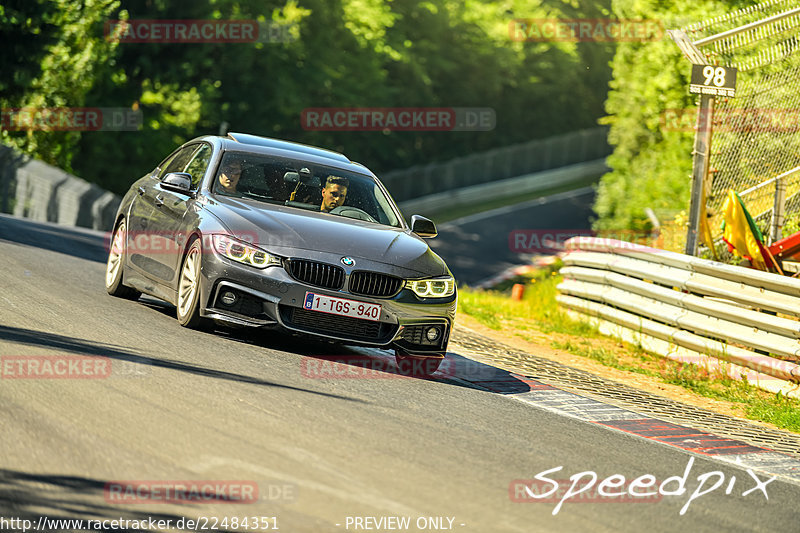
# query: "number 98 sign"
{"type": "Point", "coordinates": [713, 80]}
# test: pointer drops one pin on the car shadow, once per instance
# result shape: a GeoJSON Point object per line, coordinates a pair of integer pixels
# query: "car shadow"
{"type": "Point", "coordinates": [352, 362]}
{"type": "Point", "coordinates": [322, 360]}
{"type": "Point", "coordinates": [77, 346]}
{"type": "Point", "coordinates": [455, 370]}
{"type": "Point", "coordinates": [27, 496]}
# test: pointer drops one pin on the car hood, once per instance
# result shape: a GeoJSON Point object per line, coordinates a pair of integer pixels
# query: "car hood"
{"type": "Point", "coordinates": [293, 232]}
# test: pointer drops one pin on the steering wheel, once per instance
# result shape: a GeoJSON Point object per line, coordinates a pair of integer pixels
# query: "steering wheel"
{"type": "Point", "coordinates": [352, 212]}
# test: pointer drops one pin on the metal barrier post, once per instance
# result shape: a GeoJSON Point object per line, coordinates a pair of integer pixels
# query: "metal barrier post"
{"type": "Point", "coordinates": [778, 209]}
{"type": "Point", "coordinates": [702, 148]}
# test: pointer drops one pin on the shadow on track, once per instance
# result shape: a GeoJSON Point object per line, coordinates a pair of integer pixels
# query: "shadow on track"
{"type": "Point", "coordinates": [81, 347]}
{"type": "Point", "coordinates": [454, 370]}
{"type": "Point", "coordinates": [29, 496]}
{"type": "Point", "coordinates": [323, 360]}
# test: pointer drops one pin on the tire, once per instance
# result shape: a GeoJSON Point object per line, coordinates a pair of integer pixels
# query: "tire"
{"type": "Point", "coordinates": [114, 266]}
{"type": "Point", "coordinates": [408, 365]}
{"type": "Point", "coordinates": [188, 305]}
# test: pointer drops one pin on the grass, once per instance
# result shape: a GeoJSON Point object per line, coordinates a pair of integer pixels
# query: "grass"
{"type": "Point", "coordinates": [496, 310]}
{"type": "Point", "coordinates": [538, 313]}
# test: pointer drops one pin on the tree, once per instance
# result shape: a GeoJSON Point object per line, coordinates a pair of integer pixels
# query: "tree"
{"type": "Point", "coordinates": [345, 53]}
{"type": "Point", "coordinates": [651, 165]}
{"type": "Point", "coordinates": [54, 51]}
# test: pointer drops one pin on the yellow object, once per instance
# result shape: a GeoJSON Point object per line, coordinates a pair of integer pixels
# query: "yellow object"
{"type": "Point", "coordinates": [737, 231]}
{"type": "Point", "coordinates": [705, 231]}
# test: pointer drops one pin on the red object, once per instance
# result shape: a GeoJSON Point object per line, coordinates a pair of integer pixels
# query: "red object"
{"type": "Point", "coordinates": [786, 247]}
{"type": "Point", "coordinates": [517, 291]}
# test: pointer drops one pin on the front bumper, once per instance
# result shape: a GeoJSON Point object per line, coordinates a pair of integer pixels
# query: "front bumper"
{"type": "Point", "coordinates": [271, 298]}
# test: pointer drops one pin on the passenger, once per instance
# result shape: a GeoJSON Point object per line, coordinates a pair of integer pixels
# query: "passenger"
{"type": "Point", "coordinates": [229, 177]}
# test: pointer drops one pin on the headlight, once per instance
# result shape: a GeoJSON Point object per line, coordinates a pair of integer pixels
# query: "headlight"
{"type": "Point", "coordinates": [433, 288]}
{"type": "Point", "coordinates": [243, 252]}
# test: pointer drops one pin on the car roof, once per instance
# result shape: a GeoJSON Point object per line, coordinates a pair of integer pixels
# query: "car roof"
{"type": "Point", "coordinates": [246, 138]}
{"type": "Point", "coordinates": [246, 142]}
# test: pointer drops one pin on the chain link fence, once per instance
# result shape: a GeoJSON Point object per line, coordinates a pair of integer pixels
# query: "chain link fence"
{"type": "Point", "coordinates": [755, 146]}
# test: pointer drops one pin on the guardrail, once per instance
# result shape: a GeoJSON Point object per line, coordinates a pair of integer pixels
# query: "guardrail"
{"type": "Point", "coordinates": [572, 175]}
{"type": "Point", "coordinates": [741, 321]}
{"type": "Point", "coordinates": [498, 164]}
{"type": "Point", "coordinates": [32, 189]}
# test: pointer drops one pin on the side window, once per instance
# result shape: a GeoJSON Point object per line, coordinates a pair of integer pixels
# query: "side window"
{"type": "Point", "coordinates": [198, 165]}
{"type": "Point", "coordinates": [165, 163]}
{"type": "Point", "coordinates": [178, 163]}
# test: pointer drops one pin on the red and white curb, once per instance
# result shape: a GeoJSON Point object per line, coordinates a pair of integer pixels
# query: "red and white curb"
{"type": "Point", "coordinates": [541, 395]}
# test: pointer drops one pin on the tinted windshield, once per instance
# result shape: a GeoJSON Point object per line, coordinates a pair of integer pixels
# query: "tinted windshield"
{"type": "Point", "coordinates": [302, 185]}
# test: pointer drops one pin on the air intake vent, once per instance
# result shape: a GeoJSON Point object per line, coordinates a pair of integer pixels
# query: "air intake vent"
{"type": "Point", "coordinates": [317, 274]}
{"type": "Point", "coordinates": [374, 284]}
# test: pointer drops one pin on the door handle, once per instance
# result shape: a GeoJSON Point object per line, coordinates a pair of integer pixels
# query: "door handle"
{"type": "Point", "coordinates": [141, 190]}
{"type": "Point", "coordinates": [159, 201]}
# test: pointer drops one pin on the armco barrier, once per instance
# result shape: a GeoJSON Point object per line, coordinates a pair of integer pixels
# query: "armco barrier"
{"type": "Point", "coordinates": [33, 189]}
{"type": "Point", "coordinates": [531, 157]}
{"type": "Point", "coordinates": [573, 175]}
{"type": "Point", "coordinates": [679, 305]}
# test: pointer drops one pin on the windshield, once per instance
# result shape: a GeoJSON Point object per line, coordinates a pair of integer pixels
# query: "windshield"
{"type": "Point", "coordinates": [302, 185]}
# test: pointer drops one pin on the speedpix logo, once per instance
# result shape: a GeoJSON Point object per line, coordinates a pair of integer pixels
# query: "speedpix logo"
{"type": "Point", "coordinates": [617, 488]}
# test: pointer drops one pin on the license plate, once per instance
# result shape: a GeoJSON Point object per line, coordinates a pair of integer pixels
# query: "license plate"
{"type": "Point", "coordinates": [341, 306]}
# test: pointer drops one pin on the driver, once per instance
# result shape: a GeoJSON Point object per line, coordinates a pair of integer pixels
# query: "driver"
{"type": "Point", "coordinates": [333, 193]}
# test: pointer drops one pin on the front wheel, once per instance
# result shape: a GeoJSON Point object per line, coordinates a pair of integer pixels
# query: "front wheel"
{"type": "Point", "coordinates": [189, 287]}
{"type": "Point", "coordinates": [409, 365]}
{"type": "Point", "coordinates": [114, 266]}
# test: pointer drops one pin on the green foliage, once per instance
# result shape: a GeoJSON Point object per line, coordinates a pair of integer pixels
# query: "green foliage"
{"type": "Point", "coordinates": [651, 165]}
{"type": "Point", "coordinates": [538, 308]}
{"type": "Point", "coordinates": [346, 53]}
{"type": "Point", "coordinates": [53, 52]}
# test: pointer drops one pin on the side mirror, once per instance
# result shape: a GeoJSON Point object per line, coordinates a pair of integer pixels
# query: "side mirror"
{"type": "Point", "coordinates": [178, 182]}
{"type": "Point", "coordinates": [424, 227]}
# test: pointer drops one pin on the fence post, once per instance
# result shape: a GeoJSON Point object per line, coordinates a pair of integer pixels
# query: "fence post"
{"type": "Point", "coordinates": [778, 209]}
{"type": "Point", "coordinates": [702, 149]}
{"type": "Point", "coordinates": [702, 143]}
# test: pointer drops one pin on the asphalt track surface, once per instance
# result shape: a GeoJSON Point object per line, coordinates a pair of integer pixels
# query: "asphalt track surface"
{"type": "Point", "coordinates": [477, 247]}
{"type": "Point", "coordinates": [237, 405]}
